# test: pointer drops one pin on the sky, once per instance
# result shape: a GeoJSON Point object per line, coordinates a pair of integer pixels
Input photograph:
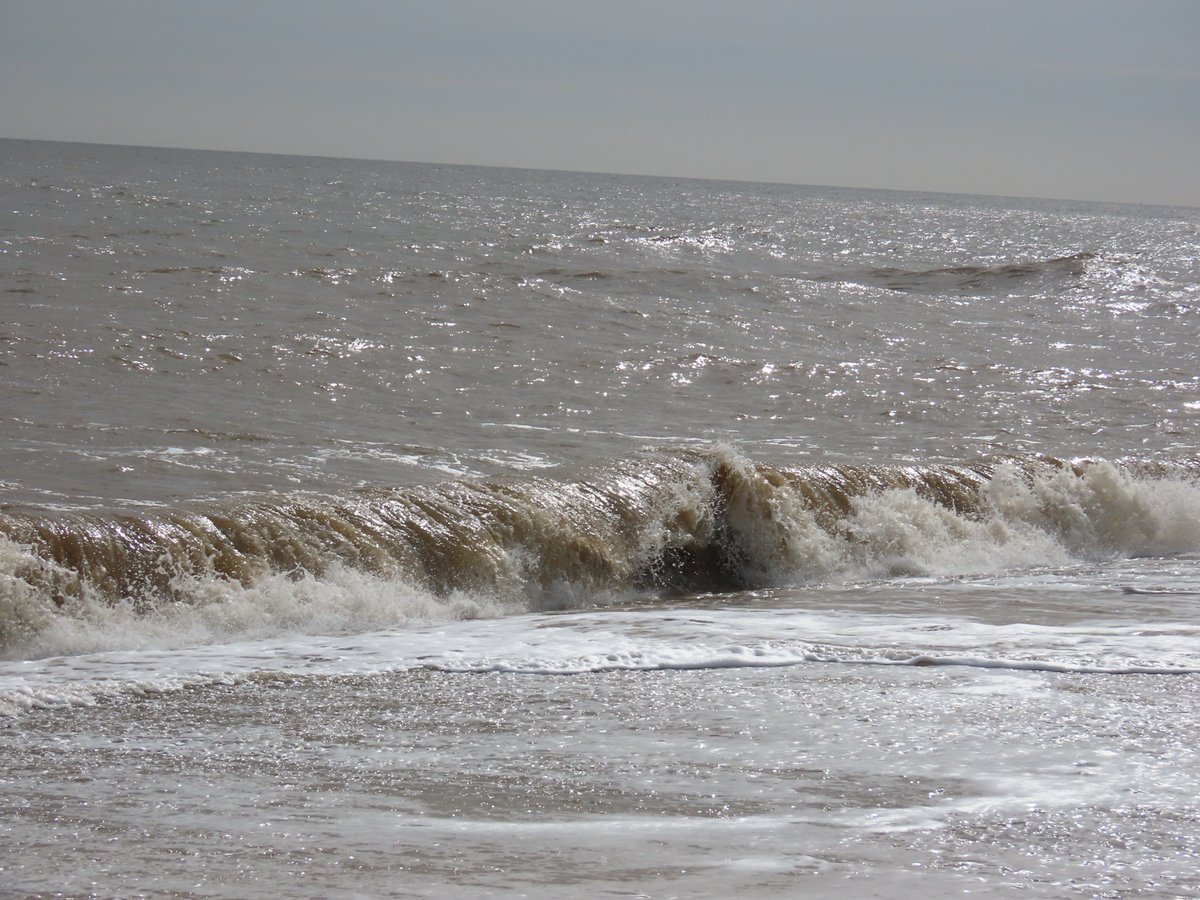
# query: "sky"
{"type": "Point", "coordinates": [1077, 99]}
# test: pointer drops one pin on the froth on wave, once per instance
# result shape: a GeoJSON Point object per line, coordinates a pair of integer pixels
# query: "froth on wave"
{"type": "Point", "coordinates": [669, 521]}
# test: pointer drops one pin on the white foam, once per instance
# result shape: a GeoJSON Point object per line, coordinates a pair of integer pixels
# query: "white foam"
{"type": "Point", "coordinates": [613, 640]}
{"type": "Point", "coordinates": [1103, 511]}
{"type": "Point", "coordinates": [1047, 521]}
{"type": "Point", "coordinates": [214, 610]}
{"type": "Point", "coordinates": [898, 532]}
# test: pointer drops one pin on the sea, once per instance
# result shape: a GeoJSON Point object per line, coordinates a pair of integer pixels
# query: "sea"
{"type": "Point", "coordinates": [381, 529]}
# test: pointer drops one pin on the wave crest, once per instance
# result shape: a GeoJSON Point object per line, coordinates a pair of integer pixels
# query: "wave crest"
{"type": "Point", "coordinates": [977, 278]}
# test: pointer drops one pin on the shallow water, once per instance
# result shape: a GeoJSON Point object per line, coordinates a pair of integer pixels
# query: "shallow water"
{"type": "Point", "coordinates": [693, 749]}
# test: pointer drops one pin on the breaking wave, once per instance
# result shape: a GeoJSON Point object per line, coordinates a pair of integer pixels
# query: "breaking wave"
{"type": "Point", "coordinates": [686, 521]}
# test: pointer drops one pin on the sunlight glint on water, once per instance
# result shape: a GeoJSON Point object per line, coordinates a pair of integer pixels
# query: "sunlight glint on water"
{"type": "Point", "coordinates": [376, 528]}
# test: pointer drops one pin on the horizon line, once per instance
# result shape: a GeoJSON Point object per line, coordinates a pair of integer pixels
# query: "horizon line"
{"type": "Point", "coordinates": [571, 171]}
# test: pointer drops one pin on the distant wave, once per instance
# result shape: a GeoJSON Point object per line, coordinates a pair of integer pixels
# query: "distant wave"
{"type": "Point", "coordinates": [969, 277]}
{"type": "Point", "coordinates": [668, 521]}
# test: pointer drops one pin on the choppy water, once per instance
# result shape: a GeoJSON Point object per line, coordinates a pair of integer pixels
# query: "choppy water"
{"type": "Point", "coordinates": [376, 528]}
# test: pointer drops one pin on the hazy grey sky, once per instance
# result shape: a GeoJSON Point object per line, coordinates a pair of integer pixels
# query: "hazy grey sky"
{"type": "Point", "coordinates": [1089, 99]}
